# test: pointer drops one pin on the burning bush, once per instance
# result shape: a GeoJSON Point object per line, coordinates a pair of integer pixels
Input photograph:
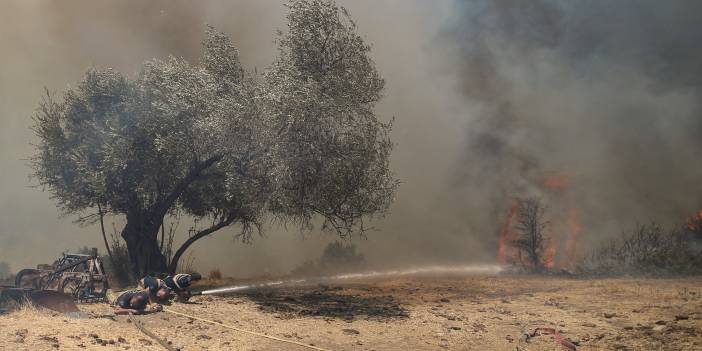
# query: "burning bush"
{"type": "Point", "coordinates": [647, 250]}
{"type": "Point", "coordinates": [694, 225]}
{"type": "Point", "coordinates": [528, 241]}
{"type": "Point", "coordinates": [531, 241]}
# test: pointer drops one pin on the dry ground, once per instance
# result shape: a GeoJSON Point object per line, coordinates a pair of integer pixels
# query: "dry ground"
{"type": "Point", "coordinates": [418, 313]}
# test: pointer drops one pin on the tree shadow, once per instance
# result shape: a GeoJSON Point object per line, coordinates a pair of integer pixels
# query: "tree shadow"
{"type": "Point", "coordinates": [329, 303]}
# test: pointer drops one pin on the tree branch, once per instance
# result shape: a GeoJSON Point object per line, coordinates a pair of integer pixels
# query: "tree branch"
{"type": "Point", "coordinates": [165, 204]}
{"type": "Point", "coordinates": [199, 235]}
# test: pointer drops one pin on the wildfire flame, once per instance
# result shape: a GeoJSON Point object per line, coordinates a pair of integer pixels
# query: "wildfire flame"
{"type": "Point", "coordinates": [559, 181]}
{"type": "Point", "coordinates": [574, 230]}
{"type": "Point", "coordinates": [694, 223]}
{"type": "Point", "coordinates": [567, 231]}
{"type": "Point", "coordinates": [550, 252]}
{"type": "Point", "coordinates": [506, 234]}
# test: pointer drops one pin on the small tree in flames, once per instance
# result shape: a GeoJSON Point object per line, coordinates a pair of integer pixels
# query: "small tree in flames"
{"type": "Point", "coordinates": [530, 233]}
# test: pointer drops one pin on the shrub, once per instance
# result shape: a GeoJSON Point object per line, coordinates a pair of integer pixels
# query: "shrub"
{"type": "Point", "coordinates": [117, 267]}
{"type": "Point", "coordinates": [215, 274]}
{"type": "Point", "coordinates": [337, 257]}
{"type": "Point", "coordinates": [647, 250]}
{"type": "Point", "coordinates": [188, 263]}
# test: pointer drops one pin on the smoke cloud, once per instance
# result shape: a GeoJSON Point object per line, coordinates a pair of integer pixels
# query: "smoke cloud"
{"type": "Point", "coordinates": [489, 97]}
{"type": "Point", "coordinates": [607, 93]}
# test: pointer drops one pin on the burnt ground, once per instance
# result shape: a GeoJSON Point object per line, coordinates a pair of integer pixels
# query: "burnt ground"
{"type": "Point", "coordinates": [328, 302]}
{"type": "Point", "coordinates": [418, 313]}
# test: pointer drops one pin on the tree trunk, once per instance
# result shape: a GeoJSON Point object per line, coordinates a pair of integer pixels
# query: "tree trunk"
{"type": "Point", "coordinates": [143, 247]}
{"type": "Point", "coordinates": [141, 231]}
{"type": "Point", "coordinates": [104, 237]}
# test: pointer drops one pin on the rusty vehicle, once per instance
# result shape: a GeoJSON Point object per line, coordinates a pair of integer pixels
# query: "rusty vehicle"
{"type": "Point", "coordinates": [79, 275]}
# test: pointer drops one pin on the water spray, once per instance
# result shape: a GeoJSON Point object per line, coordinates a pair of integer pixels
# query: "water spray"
{"type": "Point", "coordinates": [241, 288]}
{"type": "Point", "coordinates": [464, 270]}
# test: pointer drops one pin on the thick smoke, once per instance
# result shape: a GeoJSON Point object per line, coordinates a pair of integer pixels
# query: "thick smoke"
{"type": "Point", "coordinates": [52, 44]}
{"type": "Point", "coordinates": [606, 92]}
{"type": "Point", "coordinates": [489, 97]}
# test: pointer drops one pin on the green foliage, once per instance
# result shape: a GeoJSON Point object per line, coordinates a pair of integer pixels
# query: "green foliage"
{"type": "Point", "coordinates": [224, 145]}
{"type": "Point", "coordinates": [321, 92]}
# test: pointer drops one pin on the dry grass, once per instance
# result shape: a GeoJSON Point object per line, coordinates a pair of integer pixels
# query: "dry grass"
{"type": "Point", "coordinates": [23, 307]}
{"type": "Point", "coordinates": [27, 310]}
{"type": "Point", "coordinates": [451, 313]}
{"type": "Point", "coordinates": [215, 274]}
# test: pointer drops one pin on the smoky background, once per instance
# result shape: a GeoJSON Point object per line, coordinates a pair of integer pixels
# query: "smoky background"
{"type": "Point", "coordinates": [488, 96]}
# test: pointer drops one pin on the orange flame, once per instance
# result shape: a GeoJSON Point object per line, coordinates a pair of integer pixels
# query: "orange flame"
{"type": "Point", "coordinates": [558, 181]}
{"type": "Point", "coordinates": [574, 230]}
{"type": "Point", "coordinates": [548, 258]}
{"type": "Point", "coordinates": [505, 233]}
{"type": "Point", "coordinates": [571, 228]}
{"type": "Point", "coordinates": [694, 223]}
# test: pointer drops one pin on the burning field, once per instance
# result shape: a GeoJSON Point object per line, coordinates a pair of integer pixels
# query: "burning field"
{"type": "Point", "coordinates": [411, 312]}
{"type": "Point", "coordinates": [532, 166]}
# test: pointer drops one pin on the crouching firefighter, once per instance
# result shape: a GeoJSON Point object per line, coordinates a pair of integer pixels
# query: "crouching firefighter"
{"type": "Point", "coordinates": [158, 290]}
{"type": "Point", "coordinates": [179, 284]}
{"type": "Point", "coordinates": [136, 301]}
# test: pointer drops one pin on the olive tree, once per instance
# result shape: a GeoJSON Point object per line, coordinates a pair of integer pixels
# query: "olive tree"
{"type": "Point", "coordinates": [223, 145]}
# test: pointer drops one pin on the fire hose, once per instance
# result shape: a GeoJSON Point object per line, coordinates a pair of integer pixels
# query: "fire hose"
{"type": "Point", "coordinates": [143, 329]}
{"type": "Point", "coordinates": [246, 331]}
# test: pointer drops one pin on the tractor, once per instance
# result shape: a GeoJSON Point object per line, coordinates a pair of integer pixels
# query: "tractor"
{"type": "Point", "coordinates": [79, 275]}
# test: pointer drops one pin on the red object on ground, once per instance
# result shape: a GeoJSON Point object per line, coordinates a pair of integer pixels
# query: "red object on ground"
{"type": "Point", "coordinates": [562, 340]}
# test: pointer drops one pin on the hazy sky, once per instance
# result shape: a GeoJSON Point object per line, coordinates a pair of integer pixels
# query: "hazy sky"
{"type": "Point", "coordinates": [50, 44]}
{"type": "Point", "coordinates": [487, 96]}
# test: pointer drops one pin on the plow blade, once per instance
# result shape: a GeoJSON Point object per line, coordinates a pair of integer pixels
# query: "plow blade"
{"type": "Point", "coordinates": [52, 300]}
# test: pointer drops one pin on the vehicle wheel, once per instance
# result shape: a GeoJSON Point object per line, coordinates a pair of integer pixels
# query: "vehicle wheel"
{"type": "Point", "coordinates": [28, 278]}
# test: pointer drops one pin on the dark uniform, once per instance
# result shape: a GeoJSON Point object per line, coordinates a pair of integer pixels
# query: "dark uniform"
{"type": "Point", "coordinates": [179, 282]}
{"type": "Point", "coordinates": [124, 299]}
{"type": "Point", "coordinates": [152, 283]}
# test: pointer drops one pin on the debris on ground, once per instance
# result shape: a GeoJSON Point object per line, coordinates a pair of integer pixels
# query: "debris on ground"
{"type": "Point", "coordinates": [560, 339]}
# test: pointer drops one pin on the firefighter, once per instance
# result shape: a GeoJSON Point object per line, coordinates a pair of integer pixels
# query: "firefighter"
{"type": "Point", "coordinates": [136, 302]}
{"type": "Point", "coordinates": [179, 284]}
{"type": "Point", "coordinates": [157, 288]}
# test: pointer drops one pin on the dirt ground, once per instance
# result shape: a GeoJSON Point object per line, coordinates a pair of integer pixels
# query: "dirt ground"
{"type": "Point", "coordinates": [409, 313]}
